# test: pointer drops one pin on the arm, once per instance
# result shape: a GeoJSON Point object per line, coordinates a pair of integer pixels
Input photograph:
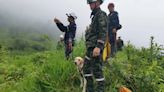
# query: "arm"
{"type": "Point", "coordinates": [115, 20]}
{"type": "Point", "coordinates": [60, 25]}
{"type": "Point", "coordinates": [102, 30]}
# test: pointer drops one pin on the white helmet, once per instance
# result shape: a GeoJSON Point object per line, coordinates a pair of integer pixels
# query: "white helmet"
{"type": "Point", "coordinates": [61, 36]}
{"type": "Point", "coordinates": [72, 15]}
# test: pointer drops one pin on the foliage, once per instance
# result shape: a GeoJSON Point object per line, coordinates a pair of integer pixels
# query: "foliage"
{"type": "Point", "coordinates": [18, 40]}
{"type": "Point", "coordinates": [141, 70]}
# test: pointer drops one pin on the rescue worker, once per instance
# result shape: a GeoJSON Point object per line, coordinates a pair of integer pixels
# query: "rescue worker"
{"type": "Point", "coordinates": [70, 32]}
{"type": "Point", "coordinates": [95, 39]}
{"type": "Point", "coordinates": [113, 26]}
{"type": "Point", "coordinates": [60, 44]}
{"type": "Point", "coordinates": [120, 44]}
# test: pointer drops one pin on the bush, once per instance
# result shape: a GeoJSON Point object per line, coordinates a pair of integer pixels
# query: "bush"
{"type": "Point", "coordinates": [48, 71]}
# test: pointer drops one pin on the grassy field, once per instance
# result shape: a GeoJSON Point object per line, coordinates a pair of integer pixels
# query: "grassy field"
{"type": "Point", "coordinates": [140, 69]}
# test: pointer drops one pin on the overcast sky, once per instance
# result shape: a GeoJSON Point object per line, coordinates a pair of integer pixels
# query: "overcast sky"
{"type": "Point", "coordinates": [140, 18]}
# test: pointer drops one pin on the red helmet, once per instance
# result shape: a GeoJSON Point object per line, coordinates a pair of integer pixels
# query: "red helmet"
{"type": "Point", "coordinates": [110, 5]}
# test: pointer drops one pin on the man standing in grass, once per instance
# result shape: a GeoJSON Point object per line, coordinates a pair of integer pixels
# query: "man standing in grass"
{"type": "Point", "coordinates": [113, 26]}
{"type": "Point", "coordinates": [70, 32]}
{"type": "Point", "coordinates": [95, 39]}
{"type": "Point", "coordinates": [120, 44]}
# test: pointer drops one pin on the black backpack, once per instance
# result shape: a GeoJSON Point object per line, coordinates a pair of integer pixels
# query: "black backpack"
{"type": "Point", "coordinates": [119, 27]}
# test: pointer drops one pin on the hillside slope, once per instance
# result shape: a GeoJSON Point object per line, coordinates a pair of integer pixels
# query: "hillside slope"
{"type": "Point", "coordinates": [138, 69]}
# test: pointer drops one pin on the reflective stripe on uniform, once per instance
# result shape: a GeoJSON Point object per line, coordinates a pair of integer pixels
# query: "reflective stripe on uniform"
{"type": "Point", "coordinates": [87, 75]}
{"type": "Point", "coordinates": [101, 79]}
{"type": "Point", "coordinates": [87, 58]}
{"type": "Point", "coordinates": [101, 41]}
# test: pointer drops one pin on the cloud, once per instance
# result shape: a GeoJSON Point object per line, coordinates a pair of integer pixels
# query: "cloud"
{"type": "Point", "coordinates": [137, 16]}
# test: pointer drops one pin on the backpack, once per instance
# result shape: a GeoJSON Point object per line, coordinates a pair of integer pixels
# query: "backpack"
{"type": "Point", "coordinates": [119, 27]}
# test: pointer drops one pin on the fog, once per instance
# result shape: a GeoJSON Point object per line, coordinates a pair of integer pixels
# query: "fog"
{"type": "Point", "coordinates": [140, 18]}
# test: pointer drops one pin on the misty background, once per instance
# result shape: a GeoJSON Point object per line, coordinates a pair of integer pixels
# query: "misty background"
{"type": "Point", "coordinates": [140, 18]}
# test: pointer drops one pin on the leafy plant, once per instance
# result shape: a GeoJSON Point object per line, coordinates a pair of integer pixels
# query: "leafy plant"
{"type": "Point", "coordinates": [140, 69]}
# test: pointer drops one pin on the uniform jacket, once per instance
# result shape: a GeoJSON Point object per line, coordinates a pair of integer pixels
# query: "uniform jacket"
{"type": "Point", "coordinates": [113, 22]}
{"type": "Point", "coordinates": [69, 30]}
{"type": "Point", "coordinates": [96, 34]}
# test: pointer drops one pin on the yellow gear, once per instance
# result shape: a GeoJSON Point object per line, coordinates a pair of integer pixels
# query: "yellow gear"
{"type": "Point", "coordinates": [107, 49]}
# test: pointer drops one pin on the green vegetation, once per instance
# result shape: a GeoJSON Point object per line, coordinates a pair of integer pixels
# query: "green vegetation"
{"type": "Point", "coordinates": [46, 70]}
{"type": "Point", "coordinates": [141, 70]}
{"type": "Point", "coordinates": [17, 40]}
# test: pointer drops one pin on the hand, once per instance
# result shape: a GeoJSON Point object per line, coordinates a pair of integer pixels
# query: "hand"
{"type": "Point", "coordinates": [96, 52]}
{"type": "Point", "coordinates": [57, 20]}
{"type": "Point", "coordinates": [114, 30]}
{"type": "Point", "coordinates": [70, 46]}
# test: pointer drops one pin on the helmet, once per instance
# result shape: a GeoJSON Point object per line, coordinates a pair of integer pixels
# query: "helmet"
{"type": "Point", "coordinates": [72, 15]}
{"type": "Point", "coordinates": [110, 5]}
{"type": "Point", "coordinates": [91, 1]}
{"type": "Point", "coordinates": [61, 36]}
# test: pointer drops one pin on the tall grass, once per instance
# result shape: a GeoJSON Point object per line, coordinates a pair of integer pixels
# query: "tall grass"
{"type": "Point", "coordinates": [49, 71]}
